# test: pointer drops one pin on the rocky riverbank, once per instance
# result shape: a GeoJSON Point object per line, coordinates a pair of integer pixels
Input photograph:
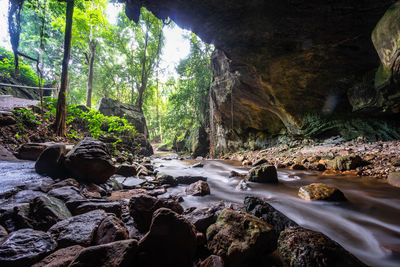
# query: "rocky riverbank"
{"type": "Point", "coordinates": [333, 156]}
{"type": "Point", "coordinates": [77, 218]}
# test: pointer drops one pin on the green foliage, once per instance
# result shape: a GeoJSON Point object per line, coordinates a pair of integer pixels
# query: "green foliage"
{"type": "Point", "coordinates": [26, 116]}
{"type": "Point", "coordinates": [27, 75]}
{"type": "Point", "coordinates": [97, 123]}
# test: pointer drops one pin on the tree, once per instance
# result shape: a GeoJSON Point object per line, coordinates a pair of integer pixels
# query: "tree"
{"type": "Point", "coordinates": [14, 28]}
{"type": "Point", "coordinates": [61, 113]}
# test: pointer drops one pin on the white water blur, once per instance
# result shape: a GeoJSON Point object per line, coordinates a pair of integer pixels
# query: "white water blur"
{"type": "Point", "coordinates": [365, 225]}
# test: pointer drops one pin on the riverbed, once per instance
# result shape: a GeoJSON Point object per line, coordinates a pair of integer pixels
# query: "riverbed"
{"type": "Point", "coordinates": [367, 225]}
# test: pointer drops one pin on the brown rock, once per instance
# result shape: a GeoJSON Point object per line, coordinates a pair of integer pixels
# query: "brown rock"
{"type": "Point", "coordinates": [84, 206]}
{"type": "Point", "coordinates": [31, 151]}
{"type": "Point", "coordinates": [61, 258]}
{"type": "Point", "coordinates": [50, 161]}
{"type": "Point", "coordinates": [7, 120]}
{"type": "Point", "coordinates": [263, 174]}
{"type": "Point", "coordinates": [65, 182]}
{"type": "Point", "coordinates": [111, 229]}
{"type": "Point", "coordinates": [394, 179]}
{"type": "Point", "coordinates": [238, 237]}
{"type": "Point", "coordinates": [319, 191]}
{"type": "Point", "coordinates": [3, 233]}
{"type": "Point", "coordinates": [298, 246]}
{"type": "Point", "coordinates": [298, 166]}
{"type": "Point", "coordinates": [171, 241]}
{"type": "Point", "coordinates": [127, 170]}
{"type": "Point", "coordinates": [142, 208]}
{"type": "Point", "coordinates": [116, 254]}
{"type": "Point", "coordinates": [199, 188]}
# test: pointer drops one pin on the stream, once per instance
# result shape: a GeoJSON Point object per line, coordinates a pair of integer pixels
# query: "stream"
{"type": "Point", "coordinates": [368, 225]}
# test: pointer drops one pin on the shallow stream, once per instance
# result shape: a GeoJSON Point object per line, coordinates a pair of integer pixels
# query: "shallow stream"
{"type": "Point", "coordinates": [368, 225]}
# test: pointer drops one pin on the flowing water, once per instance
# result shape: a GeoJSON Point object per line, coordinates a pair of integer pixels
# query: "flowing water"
{"type": "Point", "coordinates": [368, 225]}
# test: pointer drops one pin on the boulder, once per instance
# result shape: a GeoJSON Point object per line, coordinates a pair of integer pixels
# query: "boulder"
{"type": "Point", "coordinates": [346, 163]}
{"type": "Point", "coordinates": [198, 142]}
{"type": "Point", "coordinates": [165, 179]}
{"type": "Point", "coordinates": [198, 165]}
{"type": "Point", "coordinates": [190, 179]}
{"type": "Point", "coordinates": [110, 107]}
{"type": "Point", "coordinates": [202, 218]}
{"type": "Point", "coordinates": [116, 254]}
{"type": "Point", "coordinates": [77, 230]}
{"type": "Point", "coordinates": [394, 179]}
{"type": "Point", "coordinates": [65, 182]}
{"type": "Point", "coordinates": [143, 206]}
{"type": "Point", "coordinates": [66, 193]}
{"type": "Point", "coordinates": [171, 241]}
{"type": "Point", "coordinates": [111, 229]}
{"type": "Point", "coordinates": [84, 206]}
{"type": "Point", "coordinates": [90, 161]}
{"type": "Point", "coordinates": [319, 191]}
{"type": "Point", "coordinates": [199, 188]}
{"type": "Point", "coordinates": [298, 246]}
{"type": "Point", "coordinates": [30, 151]}
{"type": "Point", "coordinates": [127, 170]}
{"type": "Point", "coordinates": [47, 211]}
{"type": "Point", "coordinates": [212, 261]}
{"type": "Point", "coordinates": [50, 162]}
{"type": "Point", "coordinates": [25, 247]}
{"type": "Point", "coordinates": [238, 237]}
{"type": "Point", "coordinates": [260, 162]}
{"type": "Point", "coordinates": [60, 258]}
{"type": "Point", "coordinates": [263, 174]}
{"type": "Point", "coordinates": [263, 210]}
{"type": "Point", "coordinates": [15, 216]}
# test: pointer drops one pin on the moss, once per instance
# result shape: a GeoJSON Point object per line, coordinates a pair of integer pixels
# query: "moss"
{"type": "Point", "coordinates": [382, 75]}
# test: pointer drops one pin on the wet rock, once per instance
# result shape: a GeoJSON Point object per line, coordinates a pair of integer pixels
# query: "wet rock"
{"type": "Point", "coordinates": [47, 211]}
{"type": "Point", "coordinates": [346, 163]}
{"type": "Point", "coordinates": [202, 218]}
{"type": "Point", "coordinates": [263, 210]}
{"type": "Point", "coordinates": [142, 208]}
{"type": "Point", "coordinates": [171, 241]}
{"type": "Point", "coordinates": [60, 258]}
{"type": "Point", "coordinates": [93, 191]}
{"type": "Point", "coordinates": [212, 261]}
{"type": "Point", "coordinates": [84, 206]}
{"type": "Point", "coordinates": [127, 170]}
{"type": "Point", "coordinates": [236, 174]}
{"type": "Point", "coordinates": [116, 254]}
{"type": "Point", "coordinates": [66, 193]}
{"type": "Point", "coordinates": [167, 179]}
{"type": "Point", "coordinates": [299, 167]}
{"type": "Point", "coordinates": [190, 179]}
{"type": "Point", "coordinates": [263, 174]}
{"type": "Point", "coordinates": [130, 182]}
{"type": "Point", "coordinates": [198, 165]}
{"type": "Point", "coordinates": [25, 196]}
{"type": "Point", "coordinates": [90, 161]}
{"type": "Point", "coordinates": [319, 191]}
{"type": "Point", "coordinates": [50, 161]}
{"type": "Point", "coordinates": [237, 237]}
{"type": "Point", "coordinates": [3, 233]}
{"type": "Point", "coordinates": [394, 179]}
{"type": "Point", "coordinates": [65, 182]}
{"type": "Point", "coordinates": [111, 229]}
{"type": "Point", "coordinates": [298, 246]}
{"type": "Point", "coordinates": [260, 162]}
{"type": "Point", "coordinates": [199, 188]}
{"type": "Point", "coordinates": [242, 185]}
{"type": "Point", "coordinates": [30, 151]}
{"type": "Point", "coordinates": [15, 216]}
{"type": "Point", "coordinates": [25, 247]}
{"type": "Point", "coordinates": [77, 230]}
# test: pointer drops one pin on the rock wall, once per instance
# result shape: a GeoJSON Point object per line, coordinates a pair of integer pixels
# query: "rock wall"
{"type": "Point", "coordinates": [110, 107]}
{"type": "Point", "coordinates": [278, 62]}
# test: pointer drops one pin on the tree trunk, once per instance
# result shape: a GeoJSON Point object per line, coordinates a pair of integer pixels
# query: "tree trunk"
{"type": "Point", "coordinates": [91, 71]}
{"type": "Point", "coordinates": [62, 96]}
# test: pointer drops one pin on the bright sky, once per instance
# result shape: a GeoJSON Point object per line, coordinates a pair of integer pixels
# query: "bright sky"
{"type": "Point", "coordinates": [176, 46]}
